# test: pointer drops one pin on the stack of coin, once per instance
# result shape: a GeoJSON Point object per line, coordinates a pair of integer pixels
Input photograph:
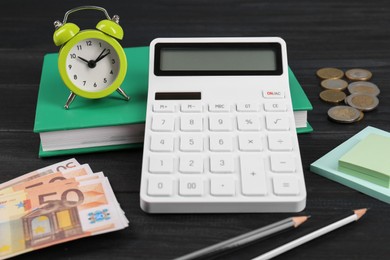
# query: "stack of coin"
{"type": "Point", "coordinates": [362, 98]}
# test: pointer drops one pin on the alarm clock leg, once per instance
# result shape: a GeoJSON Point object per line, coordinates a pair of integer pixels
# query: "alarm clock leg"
{"type": "Point", "coordinates": [120, 91]}
{"type": "Point", "coordinates": [70, 100]}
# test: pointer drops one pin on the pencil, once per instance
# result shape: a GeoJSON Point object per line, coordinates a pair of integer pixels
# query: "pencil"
{"type": "Point", "coordinates": [357, 214]}
{"type": "Point", "coordinates": [246, 238]}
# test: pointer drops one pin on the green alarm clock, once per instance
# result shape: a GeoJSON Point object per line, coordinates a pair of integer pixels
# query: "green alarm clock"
{"type": "Point", "coordinates": [91, 62]}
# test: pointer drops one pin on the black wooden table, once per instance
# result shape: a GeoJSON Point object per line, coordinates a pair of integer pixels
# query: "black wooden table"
{"type": "Point", "coordinates": [333, 33]}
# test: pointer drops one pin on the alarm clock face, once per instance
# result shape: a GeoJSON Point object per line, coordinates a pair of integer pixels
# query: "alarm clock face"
{"type": "Point", "coordinates": [92, 64]}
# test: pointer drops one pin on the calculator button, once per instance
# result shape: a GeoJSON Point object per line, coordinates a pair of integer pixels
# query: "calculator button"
{"type": "Point", "coordinates": [191, 143]}
{"type": "Point", "coordinates": [248, 122]}
{"type": "Point", "coordinates": [282, 163]}
{"type": "Point", "coordinates": [221, 163]}
{"type": "Point", "coordinates": [164, 108]}
{"type": "Point", "coordinates": [220, 122]}
{"type": "Point", "coordinates": [191, 163]}
{"type": "Point", "coordinates": [275, 106]}
{"type": "Point", "coordinates": [163, 123]}
{"type": "Point", "coordinates": [191, 123]}
{"type": "Point", "coordinates": [161, 143]}
{"type": "Point", "coordinates": [222, 186]}
{"type": "Point", "coordinates": [250, 142]}
{"type": "Point", "coordinates": [277, 122]}
{"type": "Point", "coordinates": [191, 186]}
{"type": "Point", "coordinates": [219, 107]}
{"type": "Point", "coordinates": [191, 107]}
{"type": "Point", "coordinates": [162, 163]}
{"type": "Point", "coordinates": [247, 107]}
{"type": "Point", "coordinates": [273, 94]}
{"type": "Point", "coordinates": [280, 142]}
{"type": "Point", "coordinates": [253, 179]}
{"type": "Point", "coordinates": [286, 185]}
{"type": "Point", "coordinates": [221, 142]}
{"type": "Point", "coordinates": [160, 186]}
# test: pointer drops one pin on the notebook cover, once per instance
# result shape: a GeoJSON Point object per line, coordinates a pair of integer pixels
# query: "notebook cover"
{"type": "Point", "coordinates": [327, 166]}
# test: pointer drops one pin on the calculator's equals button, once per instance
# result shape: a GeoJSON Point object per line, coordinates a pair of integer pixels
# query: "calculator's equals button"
{"type": "Point", "coordinates": [160, 186]}
{"type": "Point", "coordinates": [222, 186]}
{"type": "Point", "coordinates": [286, 185]}
{"type": "Point", "coordinates": [253, 179]}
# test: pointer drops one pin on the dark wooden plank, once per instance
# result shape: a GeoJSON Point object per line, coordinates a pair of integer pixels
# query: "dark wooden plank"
{"type": "Point", "coordinates": [342, 34]}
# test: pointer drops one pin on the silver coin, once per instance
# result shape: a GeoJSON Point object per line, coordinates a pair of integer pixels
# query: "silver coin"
{"type": "Point", "coordinates": [336, 84]}
{"type": "Point", "coordinates": [363, 87]}
{"type": "Point", "coordinates": [362, 102]}
{"type": "Point", "coordinates": [344, 114]}
{"type": "Point", "coordinates": [358, 74]}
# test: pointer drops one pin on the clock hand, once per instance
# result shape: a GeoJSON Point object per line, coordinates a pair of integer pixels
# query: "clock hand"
{"type": "Point", "coordinates": [81, 58]}
{"type": "Point", "coordinates": [101, 57]}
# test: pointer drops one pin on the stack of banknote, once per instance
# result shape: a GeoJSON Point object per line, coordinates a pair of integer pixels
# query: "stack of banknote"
{"type": "Point", "coordinates": [61, 202]}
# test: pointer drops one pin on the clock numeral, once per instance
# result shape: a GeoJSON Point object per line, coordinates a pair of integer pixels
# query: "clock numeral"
{"type": "Point", "coordinates": [73, 55]}
{"type": "Point", "coordinates": [95, 85]}
{"type": "Point", "coordinates": [75, 76]}
{"type": "Point", "coordinates": [89, 43]}
{"type": "Point", "coordinates": [70, 66]}
{"type": "Point", "coordinates": [79, 47]}
{"type": "Point", "coordinates": [100, 44]}
{"type": "Point", "coordinates": [111, 72]}
{"type": "Point", "coordinates": [113, 61]}
{"type": "Point", "coordinates": [105, 80]}
{"type": "Point", "coordinates": [84, 82]}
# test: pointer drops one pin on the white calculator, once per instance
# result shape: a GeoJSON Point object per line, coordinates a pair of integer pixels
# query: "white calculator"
{"type": "Point", "coordinates": [220, 132]}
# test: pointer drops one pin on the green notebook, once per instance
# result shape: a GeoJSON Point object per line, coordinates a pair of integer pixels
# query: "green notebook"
{"type": "Point", "coordinates": [328, 167]}
{"type": "Point", "coordinates": [113, 110]}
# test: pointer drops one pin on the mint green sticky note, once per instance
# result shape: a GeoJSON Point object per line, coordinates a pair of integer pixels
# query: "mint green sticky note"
{"type": "Point", "coordinates": [369, 159]}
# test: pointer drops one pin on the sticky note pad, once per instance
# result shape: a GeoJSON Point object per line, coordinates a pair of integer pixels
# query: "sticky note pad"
{"type": "Point", "coordinates": [369, 160]}
{"type": "Point", "coordinates": [328, 166]}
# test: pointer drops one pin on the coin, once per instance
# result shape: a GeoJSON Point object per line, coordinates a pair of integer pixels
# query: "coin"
{"type": "Point", "coordinates": [358, 74]}
{"type": "Point", "coordinates": [336, 84]}
{"type": "Point", "coordinates": [344, 114]}
{"type": "Point", "coordinates": [330, 73]}
{"type": "Point", "coordinates": [362, 102]}
{"type": "Point", "coordinates": [363, 87]}
{"type": "Point", "coordinates": [332, 96]}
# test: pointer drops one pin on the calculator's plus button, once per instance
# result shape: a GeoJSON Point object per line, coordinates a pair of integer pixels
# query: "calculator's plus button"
{"type": "Point", "coordinates": [191, 107]}
{"type": "Point", "coordinates": [160, 185]}
{"type": "Point", "coordinates": [275, 106]}
{"type": "Point", "coordinates": [222, 186]}
{"type": "Point", "coordinates": [253, 178]}
{"type": "Point", "coordinates": [282, 163]}
{"type": "Point", "coordinates": [219, 107]}
{"type": "Point", "coordinates": [247, 107]}
{"type": "Point", "coordinates": [191, 186]}
{"type": "Point", "coordinates": [248, 122]}
{"type": "Point", "coordinates": [280, 142]}
{"type": "Point", "coordinates": [164, 108]}
{"type": "Point", "coordinates": [286, 185]}
{"type": "Point", "coordinates": [192, 122]}
{"type": "Point", "coordinates": [161, 143]}
{"type": "Point", "coordinates": [161, 163]}
{"type": "Point", "coordinates": [191, 163]}
{"type": "Point", "coordinates": [250, 142]}
{"type": "Point", "coordinates": [164, 123]}
{"type": "Point", "coordinates": [220, 122]}
{"type": "Point", "coordinates": [277, 122]}
{"type": "Point", "coordinates": [222, 163]}
{"type": "Point", "coordinates": [191, 143]}
{"type": "Point", "coordinates": [273, 94]}
{"type": "Point", "coordinates": [221, 143]}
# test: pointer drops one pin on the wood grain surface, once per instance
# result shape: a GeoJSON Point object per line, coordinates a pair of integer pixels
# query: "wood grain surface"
{"type": "Point", "coordinates": [332, 33]}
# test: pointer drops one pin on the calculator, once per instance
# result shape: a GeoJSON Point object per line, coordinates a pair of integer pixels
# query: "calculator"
{"type": "Point", "coordinates": [220, 133]}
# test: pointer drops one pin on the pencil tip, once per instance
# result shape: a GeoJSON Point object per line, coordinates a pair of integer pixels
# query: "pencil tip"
{"type": "Point", "coordinates": [360, 212]}
{"type": "Point", "coordinates": [299, 220]}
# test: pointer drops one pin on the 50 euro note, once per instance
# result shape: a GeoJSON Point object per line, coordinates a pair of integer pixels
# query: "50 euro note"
{"type": "Point", "coordinates": [55, 213]}
{"type": "Point", "coordinates": [57, 167]}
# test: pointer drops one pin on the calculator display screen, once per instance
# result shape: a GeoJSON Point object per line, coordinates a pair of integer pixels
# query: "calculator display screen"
{"type": "Point", "coordinates": [208, 59]}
